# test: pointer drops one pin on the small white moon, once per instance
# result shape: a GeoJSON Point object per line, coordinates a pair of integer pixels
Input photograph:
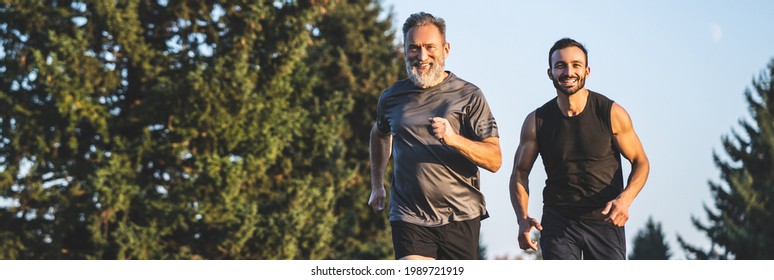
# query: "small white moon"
{"type": "Point", "coordinates": [716, 32]}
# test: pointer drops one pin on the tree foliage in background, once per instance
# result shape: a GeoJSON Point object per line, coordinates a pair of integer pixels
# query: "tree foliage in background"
{"type": "Point", "coordinates": [481, 253]}
{"type": "Point", "coordinates": [650, 244]}
{"type": "Point", "coordinates": [357, 55]}
{"type": "Point", "coordinates": [189, 129]}
{"type": "Point", "coordinates": [740, 225]}
{"type": "Point", "coordinates": [526, 254]}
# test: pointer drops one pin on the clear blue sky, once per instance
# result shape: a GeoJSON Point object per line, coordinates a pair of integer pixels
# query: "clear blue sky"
{"type": "Point", "coordinates": [679, 68]}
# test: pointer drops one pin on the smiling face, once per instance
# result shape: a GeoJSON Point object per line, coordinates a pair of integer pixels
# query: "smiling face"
{"type": "Point", "coordinates": [568, 70]}
{"type": "Point", "coordinates": [426, 52]}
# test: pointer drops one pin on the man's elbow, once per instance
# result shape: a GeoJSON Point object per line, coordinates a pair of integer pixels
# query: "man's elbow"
{"type": "Point", "coordinates": [643, 164]}
{"type": "Point", "coordinates": [494, 164]}
{"type": "Point", "coordinates": [641, 160]}
{"type": "Point", "coordinates": [494, 159]}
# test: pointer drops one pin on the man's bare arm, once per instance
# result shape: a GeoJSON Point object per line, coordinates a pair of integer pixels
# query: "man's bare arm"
{"type": "Point", "coordinates": [380, 151]}
{"type": "Point", "coordinates": [523, 161]}
{"type": "Point", "coordinates": [625, 138]}
{"type": "Point", "coordinates": [485, 153]}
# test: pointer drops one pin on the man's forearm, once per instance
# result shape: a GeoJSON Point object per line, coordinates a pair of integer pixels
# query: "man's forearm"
{"type": "Point", "coordinates": [519, 197]}
{"type": "Point", "coordinates": [485, 153]}
{"type": "Point", "coordinates": [637, 179]}
{"type": "Point", "coordinates": [380, 155]}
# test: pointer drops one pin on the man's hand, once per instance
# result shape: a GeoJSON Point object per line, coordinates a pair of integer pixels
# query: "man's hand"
{"type": "Point", "coordinates": [617, 212]}
{"type": "Point", "coordinates": [376, 201]}
{"type": "Point", "coordinates": [442, 130]}
{"type": "Point", "coordinates": [525, 233]}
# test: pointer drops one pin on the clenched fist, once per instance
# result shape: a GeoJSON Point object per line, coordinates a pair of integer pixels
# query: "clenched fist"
{"type": "Point", "coordinates": [442, 130]}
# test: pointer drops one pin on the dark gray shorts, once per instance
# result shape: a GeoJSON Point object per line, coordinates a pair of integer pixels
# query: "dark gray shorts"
{"type": "Point", "coordinates": [565, 238]}
{"type": "Point", "coordinates": [453, 241]}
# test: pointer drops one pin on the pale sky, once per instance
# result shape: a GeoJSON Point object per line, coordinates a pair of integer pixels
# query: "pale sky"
{"type": "Point", "coordinates": [680, 68]}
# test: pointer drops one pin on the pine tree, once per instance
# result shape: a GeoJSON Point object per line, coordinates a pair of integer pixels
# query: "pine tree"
{"type": "Point", "coordinates": [481, 250]}
{"type": "Point", "coordinates": [161, 130]}
{"type": "Point", "coordinates": [650, 244]}
{"type": "Point", "coordinates": [356, 54]}
{"type": "Point", "coordinates": [744, 205]}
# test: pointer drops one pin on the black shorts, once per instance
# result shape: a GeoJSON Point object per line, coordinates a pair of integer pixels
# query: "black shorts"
{"type": "Point", "coordinates": [453, 241]}
{"type": "Point", "coordinates": [565, 238]}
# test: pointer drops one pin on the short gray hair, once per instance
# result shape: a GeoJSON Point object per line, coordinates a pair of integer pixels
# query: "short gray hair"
{"type": "Point", "coordinates": [422, 19]}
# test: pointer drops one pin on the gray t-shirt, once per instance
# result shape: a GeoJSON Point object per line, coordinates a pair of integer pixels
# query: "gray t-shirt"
{"type": "Point", "coordinates": [434, 184]}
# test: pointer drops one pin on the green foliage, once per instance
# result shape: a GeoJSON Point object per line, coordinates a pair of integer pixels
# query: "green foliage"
{"type": "Point", "coordinates": [744, 206]}
{"type": "Point", "coordinates": [649, 244]}
{"type": "Point", "coordinates": [190, 129]}
{"type": "Point", "coordinates": [356, 53]}
{"type": "Point", "coordinates": [481, 250]}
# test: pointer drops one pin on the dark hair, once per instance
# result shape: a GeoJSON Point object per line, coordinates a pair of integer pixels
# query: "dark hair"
{"type": "Point", "coordinates": [422, 19]}
{"type": "Point", "coordinates": [566, 43]}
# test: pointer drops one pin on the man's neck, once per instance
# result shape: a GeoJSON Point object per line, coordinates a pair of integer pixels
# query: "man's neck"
{"type": "Point", "coordinates": [572, 105]}
{"type": "Point", "coordinates": [439, 81]}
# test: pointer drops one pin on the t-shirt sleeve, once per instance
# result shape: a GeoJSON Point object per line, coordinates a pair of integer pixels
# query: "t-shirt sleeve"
{"type": "Point", "coordinates": [381, 121]}
{"type": "Point", "coordinates": [481, 121]}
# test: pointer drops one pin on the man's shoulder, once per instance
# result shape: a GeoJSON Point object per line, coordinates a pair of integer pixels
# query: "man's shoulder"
{"type": "Point", "coordinates": [602, 103]}
{"type": "Point", "coordinates": [540, 111]}
{"type": "Point", "coordinates": [460, 83]}
{"type": "Point", "coordinates": [598, 96]}
{"type": "Point", "coordinates": [396, 89]}
{"type": "Point", "coordinates": [399, 86]}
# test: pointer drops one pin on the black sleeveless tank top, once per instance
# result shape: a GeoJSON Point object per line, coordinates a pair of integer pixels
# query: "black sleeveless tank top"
{"type": "Point", "coordinates": [582, 163]}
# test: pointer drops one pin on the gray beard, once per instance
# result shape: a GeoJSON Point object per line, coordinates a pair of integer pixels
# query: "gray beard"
{"type": "Point", "coordinates": [429, 79]}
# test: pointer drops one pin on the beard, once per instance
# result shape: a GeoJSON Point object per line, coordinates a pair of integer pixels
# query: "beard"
{"type": "Point", "coordinates": [426, 79]}
{"type": "Point", "coordinates": [581, 83]}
